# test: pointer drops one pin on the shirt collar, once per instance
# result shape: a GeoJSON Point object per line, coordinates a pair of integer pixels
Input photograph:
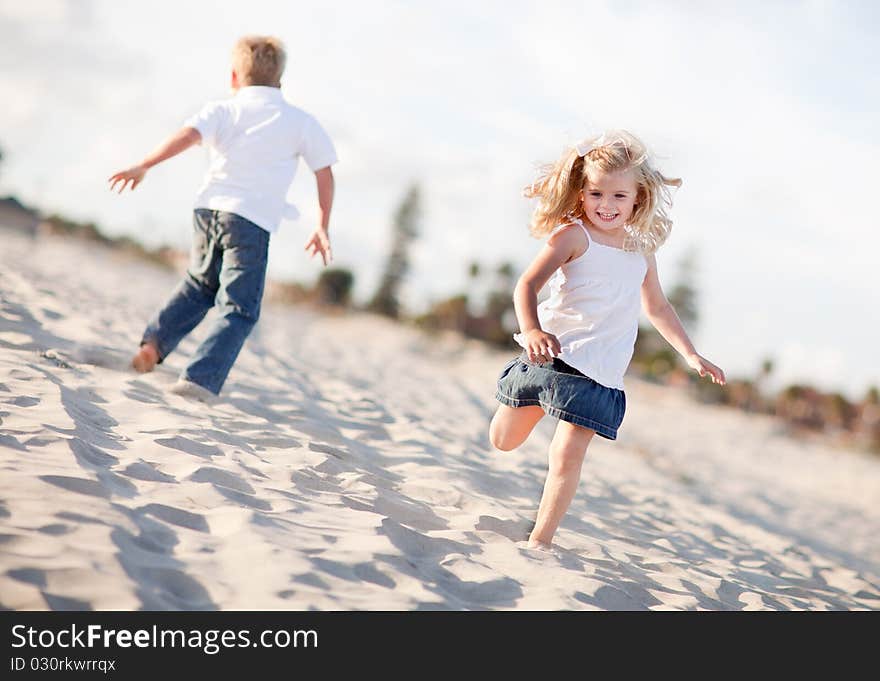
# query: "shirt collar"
{"type": "Point", "coordinates": [259, 92]}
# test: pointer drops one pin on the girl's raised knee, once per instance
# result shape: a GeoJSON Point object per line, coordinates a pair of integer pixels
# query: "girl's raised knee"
{"type": "Point", "coordinates": [495, 440]}
{"type": "Point", "coordinates": [500, 442]}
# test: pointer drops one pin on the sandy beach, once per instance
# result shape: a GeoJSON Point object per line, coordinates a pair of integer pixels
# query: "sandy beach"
{"type": "Point", "coordinates": [346, 466]}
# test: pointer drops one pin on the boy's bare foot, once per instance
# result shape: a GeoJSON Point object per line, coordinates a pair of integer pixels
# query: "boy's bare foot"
{"type": "Point", "coordinates": [539, 545]}
{"type": "Point", "coordinates": [146, 359]}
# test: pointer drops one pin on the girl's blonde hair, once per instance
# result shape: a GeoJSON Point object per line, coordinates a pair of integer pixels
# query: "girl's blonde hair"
{"type": "Point", "coordinates": [558, 187]}
{"type": "Point", "coordinates": [259, 60]}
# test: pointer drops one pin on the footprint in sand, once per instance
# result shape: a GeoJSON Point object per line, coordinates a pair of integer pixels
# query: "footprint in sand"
{"type": "Point", "coordinates": [473, 584]}
{"type": "Point", "coordinates": [10, 440]}
{"type": "Point", "coordinates": [184, 444]}
{"type": "Point", "coordinates": [177, 516]}
{"type": "Point", "coordinates": [117, 485]}
{"type": "Point", "coordinates": [59, 603]}
{"type": "Point", "coordinates": [231, 486]}
{"type": "Point", "coordinates": [51, 314]}
{"type": "Point", "coordinates": [417, 545]}
{"type": "Point", "coordinates": [274, 442]}
{"type": "Point", "coordinates": [33, 576]}
{"type": "Point", "coordinates": [612, 598]}
{"type": "Point", "coordinates": [89, 455]}
{"type": "Point", "coordinates": [327, 449]}
{"type": "Point", "coordinates": [101, 356]}
{"type": "Point", "coordinates": [143, 392]}
{"type": "Point", "coordinates": [164, 588]}
{"type": "Point", "coordinates": [367, 572]}
{"type": "Point", "coordinates": [186, 591]}
{"type": "Point", "coordinates": [79, 485]}
{"type": "Point", "coordinates": [244, 499]}
{"type": "Point", "coordinates": [307, 480]}
{"type": "Point", "coordinates": [82, 406]}
{"type": "Point", "coordinates": [514, 530]}
{"type": "Point", "coordinates": [23, 401]}
{"type": "Point", "coordinates": [222, 478]}
{"type": "Point", "coordinates": [401, 509]}
{"type": "Point", "coordinates": [79, 518]}
{"type": "Point", "coordinates": [154, 538]}
{"type": "Point", "coordinates": [141, 470]}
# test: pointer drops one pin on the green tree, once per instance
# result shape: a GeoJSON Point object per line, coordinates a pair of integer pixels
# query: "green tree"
{"type": "Point", "coordinates": [404, 230]}
{"type": "Point", "coordinates": [334, 286]}
{"type": "Point", "coordinates": [506, 271]}
{"type": "Point", "coordinates": [499, 302]}
{"type": "Point", "coordinates": [683, 294]}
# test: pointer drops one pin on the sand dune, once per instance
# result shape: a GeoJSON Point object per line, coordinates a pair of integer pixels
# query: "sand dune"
{"type": "Point", "coordinates": [346, 466]}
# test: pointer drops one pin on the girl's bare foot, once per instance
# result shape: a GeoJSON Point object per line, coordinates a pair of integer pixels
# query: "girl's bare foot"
{"type": "Point", "coordinates": [146, 359]}
{"type": "Point", "coordinates": [539, 545]}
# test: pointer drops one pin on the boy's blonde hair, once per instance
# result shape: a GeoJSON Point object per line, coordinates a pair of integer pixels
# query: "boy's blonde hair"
{"type": "Point", "coordinates": [558, 187]}
{"type": "Point", "coordinates": [259, 60]}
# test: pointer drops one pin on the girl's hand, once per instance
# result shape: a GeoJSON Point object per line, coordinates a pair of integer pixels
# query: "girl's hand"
{"type": "Point", "coordinates": [134, 175]}
{"type": "Point", "coordinates": [541, 346]}
{"type": "Point", "coordinates": [705, 368]}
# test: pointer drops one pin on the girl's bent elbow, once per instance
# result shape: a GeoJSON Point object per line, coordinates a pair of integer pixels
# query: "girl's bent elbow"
{"type": "Point", "coordinates": [524, 285]}
{"type": "Point", "coordinates": [659, 309]}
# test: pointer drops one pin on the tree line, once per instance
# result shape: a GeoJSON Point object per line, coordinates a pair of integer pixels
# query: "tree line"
{"type": "Point", "coordinates": [485, 311]}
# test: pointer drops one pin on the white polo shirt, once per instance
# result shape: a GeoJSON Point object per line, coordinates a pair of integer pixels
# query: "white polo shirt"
{"type": "Point", "coordinates": [255, 140]}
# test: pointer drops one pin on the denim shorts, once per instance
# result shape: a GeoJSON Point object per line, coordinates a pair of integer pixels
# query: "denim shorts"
{"type": "Point", "coordinates": [562, 392]}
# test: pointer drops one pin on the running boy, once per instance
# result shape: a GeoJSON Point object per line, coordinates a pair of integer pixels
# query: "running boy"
{"type": "Point", "coordinates": [256, 139]}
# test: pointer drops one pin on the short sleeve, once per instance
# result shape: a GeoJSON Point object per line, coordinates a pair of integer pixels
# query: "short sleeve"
{"type": "Point", "coordinates": [317, 147]}
{"type": "Point", "coordinates": [208, 121]}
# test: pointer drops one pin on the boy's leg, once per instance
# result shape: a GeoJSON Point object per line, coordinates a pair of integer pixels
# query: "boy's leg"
{"type": "Point", "coordinates": [191, 300]}
{"type": "Point", "coordinates": [511, 426]}
{"type": "Point", "coordinates": [242, 279]}
{"type": "Point", "coordinates": [566, 457]}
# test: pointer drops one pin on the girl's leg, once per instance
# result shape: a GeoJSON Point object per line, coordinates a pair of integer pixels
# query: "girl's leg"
{"type": "Point", "coordinates": [511, 426]}
{"type": "Point", "coordinates": [566, 456]}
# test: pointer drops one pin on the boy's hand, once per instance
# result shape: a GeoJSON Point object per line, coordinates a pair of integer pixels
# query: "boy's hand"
{"type": "Point", "coordinates": [134, 175]}
{"type": "Point", "coordinates": [704, 367]}
{"type": "Point", "coordinates": [541, 346]}
{"type": "Point", "coordinates": [319, 242]}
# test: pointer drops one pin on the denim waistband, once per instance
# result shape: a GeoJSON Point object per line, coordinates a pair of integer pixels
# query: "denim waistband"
{"type": "Point", "coordinates": [563, 368]}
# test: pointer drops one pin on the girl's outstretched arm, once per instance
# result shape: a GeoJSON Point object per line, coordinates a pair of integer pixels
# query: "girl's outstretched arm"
{"type": "Point", "coordinates": [664, 318]}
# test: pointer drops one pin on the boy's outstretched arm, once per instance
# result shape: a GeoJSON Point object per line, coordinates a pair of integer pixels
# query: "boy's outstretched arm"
{"type": "Point", "coordinates": [319, 241]}
{"type": "Point", "coordinates": [664, 318]}
{"type": "Point", "coordinates": [180, 141]}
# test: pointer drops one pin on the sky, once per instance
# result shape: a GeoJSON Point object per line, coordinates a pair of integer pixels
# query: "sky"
{"type": "Point", "coordinates": [766, 110]}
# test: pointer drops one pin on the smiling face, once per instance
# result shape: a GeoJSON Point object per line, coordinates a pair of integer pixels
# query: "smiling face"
{"type": "Point", "coordinates": [609, 198]}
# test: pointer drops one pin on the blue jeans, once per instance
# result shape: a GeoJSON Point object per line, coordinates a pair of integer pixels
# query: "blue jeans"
{"type": "Point", "coordinates": [227, 269]}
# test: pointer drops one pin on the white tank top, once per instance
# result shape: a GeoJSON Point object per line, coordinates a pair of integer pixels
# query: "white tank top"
{"type": "Point", "coordinates": [593, 310]}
